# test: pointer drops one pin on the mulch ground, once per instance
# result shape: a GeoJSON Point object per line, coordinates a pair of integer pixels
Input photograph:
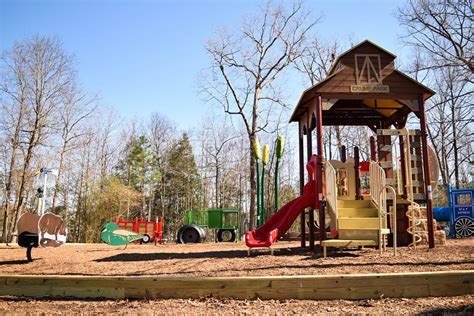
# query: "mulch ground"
{"type": "Point", "coordinates": [231, 260]}
{"type": "Point", "coordinates": [459, 305]}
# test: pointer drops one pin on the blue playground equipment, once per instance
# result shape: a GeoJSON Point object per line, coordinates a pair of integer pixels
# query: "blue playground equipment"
{"type": "Point", "coordinates": [459, 213]}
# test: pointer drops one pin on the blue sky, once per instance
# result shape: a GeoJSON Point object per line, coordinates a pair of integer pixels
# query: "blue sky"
{"type": "Point", "coordinates": [145, 56]}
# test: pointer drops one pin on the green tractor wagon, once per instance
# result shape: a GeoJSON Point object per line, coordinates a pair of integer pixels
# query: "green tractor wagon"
{"type": "Point", "coordinates": [224, 223]}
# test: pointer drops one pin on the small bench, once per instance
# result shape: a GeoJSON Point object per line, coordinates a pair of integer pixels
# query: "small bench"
{"type": "Point", "coordinates": [342, 243]}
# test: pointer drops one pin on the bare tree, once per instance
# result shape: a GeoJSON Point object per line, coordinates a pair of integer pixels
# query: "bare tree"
{"type": "Point", "coordinates": [76, 107]}
{"type": "Point", "coordinates": [41, 70]}
{"type": "Point", "coordinates": [317, 59]}
{"type": "Point", "coordinates": [315, 64]}
{"type": "Point", "coordinates": [443, 30]}
{"type": "Point", "coordinates": [441, 33]}
{"type": "Point", "coordinates": [450, 123]}
{"type": "Point", "coordinates": [217, 140]}
{"type": "Point", "coordinates": [245, 67]}
{"type": "Point", "coordinates": [13, 89]}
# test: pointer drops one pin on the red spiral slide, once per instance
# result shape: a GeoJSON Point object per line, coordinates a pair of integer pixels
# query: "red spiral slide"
{"type": "Point", "coordinates": [281, 221]}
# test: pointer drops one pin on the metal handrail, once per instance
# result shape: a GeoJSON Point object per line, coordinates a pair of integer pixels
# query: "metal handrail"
{"type": "Point", "coordinates": [331, 188]}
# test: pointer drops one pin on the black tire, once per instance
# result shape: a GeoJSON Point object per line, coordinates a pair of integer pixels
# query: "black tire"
{"type": "Point", "coordinates": [191, 234]}
{"type": "Point", "coordinates": [146, 239]}
{"type": "Point", "coordinates": [226, 235]}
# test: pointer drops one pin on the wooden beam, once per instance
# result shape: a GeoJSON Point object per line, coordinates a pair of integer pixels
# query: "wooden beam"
{"type": "Point", "coordinates": [426, 169]}
{"type": "Point", "coordinates": [346, 286]}
{"type": "Point", "coordinates": [301, 170]}
{"type": "Point", "coordinates": [321, 177]}
{"type": "Point", "coordinates": [309, 151]}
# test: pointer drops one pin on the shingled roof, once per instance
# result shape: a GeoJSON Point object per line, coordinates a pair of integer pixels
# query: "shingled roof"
{"type": "Point", "coordinates": [364, 88]}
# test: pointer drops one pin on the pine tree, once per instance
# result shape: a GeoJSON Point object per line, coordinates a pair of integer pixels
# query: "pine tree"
{"type": "Point", "coordinates": [182, 184]}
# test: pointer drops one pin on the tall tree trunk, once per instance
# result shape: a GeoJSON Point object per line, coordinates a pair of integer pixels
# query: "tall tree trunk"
{"type": "Point", "coordinates": [455, 145]}
{"type": "Point", "coordinates": [11, 171]}
{"type": "Point", "coordinates": [253, 189]}
{"type": "Point", "coordinates": [217, 183]}
{"type": "Point", "coordinates": [338, 138]}
{"type": "Point", "coordinates": [60, 172]}
{"type": "Point", "coordinates": [26, 166]}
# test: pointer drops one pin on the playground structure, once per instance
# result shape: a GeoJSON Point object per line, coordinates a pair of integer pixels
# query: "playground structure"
{"type": "Point", "coordinates": [363, 88]}
{"type": "Point", "coordinates": [459, 213]}
{"type": "Point", "coordinates": [357, 196]}
{"type": "Point", "coordinates": [151, 230]}
{"type": "Point", "coordinates": [223, 222]}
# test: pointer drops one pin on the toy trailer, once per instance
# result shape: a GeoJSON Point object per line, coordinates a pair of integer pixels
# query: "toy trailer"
{"type": "Point", "coordinates": [224, 222]}
{"type": "Point", "coordinates": [153, 230]}
{"type": "Point", "coordinates": [462, 214]}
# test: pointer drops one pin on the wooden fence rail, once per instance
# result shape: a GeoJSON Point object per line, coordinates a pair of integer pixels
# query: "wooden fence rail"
{"type": "Point", "coordinates": [349, 286]}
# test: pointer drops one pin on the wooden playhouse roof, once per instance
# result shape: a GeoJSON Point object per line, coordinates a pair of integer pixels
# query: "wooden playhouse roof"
{"type": "Point", "coordinates": [364, 88]}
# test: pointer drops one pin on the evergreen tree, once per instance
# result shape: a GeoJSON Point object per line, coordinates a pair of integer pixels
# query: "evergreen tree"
{"type": "Point", "coordinates": [182, 184]}
{"type": "Point", "coordinates": [139, 171]}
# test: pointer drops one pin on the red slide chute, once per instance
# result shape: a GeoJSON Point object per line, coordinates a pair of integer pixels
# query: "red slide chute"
{"type": "Point", "coordinates": [281, 221]}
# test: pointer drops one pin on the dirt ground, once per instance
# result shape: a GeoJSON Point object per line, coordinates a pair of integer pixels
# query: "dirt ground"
{"type": "Point", "coordinates": [231, 260]}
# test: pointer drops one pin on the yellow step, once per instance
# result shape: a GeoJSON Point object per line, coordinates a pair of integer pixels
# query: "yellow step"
{"type": "Point", "coordinates": [357, 212]}
{"type": "Point", "coordinates": [360, 233]}
{"type": "Point", "coordinates": [354, 204]}
{"type": "Point", "coordinates": [343, 243]}
{"type": "Point", "coordinates": [347, 243]}
{"type": "Point", "coordinates": [357, 222]}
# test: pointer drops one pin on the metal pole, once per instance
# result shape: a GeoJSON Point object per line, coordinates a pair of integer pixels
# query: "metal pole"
{"type": "Point", "coordinates": [43, 199]}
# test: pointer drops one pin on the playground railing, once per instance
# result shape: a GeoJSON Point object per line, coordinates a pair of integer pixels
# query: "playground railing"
{"type": "Point", "coordinates": [379, 198]}
{"type": "Point", "coordinates": [377, 183]}
{"type": "Point", "coordinates": [331, 189]}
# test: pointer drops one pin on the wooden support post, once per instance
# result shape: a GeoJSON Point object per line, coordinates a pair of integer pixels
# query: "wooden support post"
{"type": "Point", "coordinates": [403, 156]}
{"type": "Point", "coordinates": [301, 163]}
{"type": "Point", "coordinates": [309, 150]}
{"type": "Point", "coordinates": [358, 195]}
{"type": "Point", "coordinates": [373, 149]}
{"type": "Point", "coordinates": [321, 177]}
{"type": "Point", "coordinates": [343, 153]}
{"type": "Point", "coordinates": [426, 170]}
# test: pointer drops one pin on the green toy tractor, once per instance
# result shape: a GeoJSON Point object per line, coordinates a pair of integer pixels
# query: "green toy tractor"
{"type": "Point", "coordinates": [224, 223]}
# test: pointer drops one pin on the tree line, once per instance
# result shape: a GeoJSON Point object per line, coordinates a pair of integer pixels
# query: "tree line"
{"type": "Point", "coordinates": [110, 166]}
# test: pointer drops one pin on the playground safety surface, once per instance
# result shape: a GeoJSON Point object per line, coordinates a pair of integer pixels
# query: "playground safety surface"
{"type": "Point", "coordinates": [459, 305]}
{"type": "Point", "coordinates": [224, 260]}
{"type": "Point", "coordinates": [216, 260]}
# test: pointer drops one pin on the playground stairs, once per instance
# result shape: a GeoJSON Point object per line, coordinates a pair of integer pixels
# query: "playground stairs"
{"type": "Point", "coordinates": [357, 225]}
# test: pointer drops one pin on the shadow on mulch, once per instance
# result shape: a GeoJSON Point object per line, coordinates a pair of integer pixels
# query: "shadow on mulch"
{"type": "Point", "coordinates": [126, 257]}
{"type": "Point", "coordinates": [136, 257]}
{"type": "Point", "coordinates": [12, 262]}
{"type": "Point", "coordinates": [461, 310]}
